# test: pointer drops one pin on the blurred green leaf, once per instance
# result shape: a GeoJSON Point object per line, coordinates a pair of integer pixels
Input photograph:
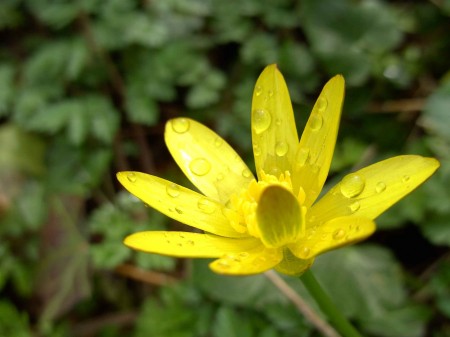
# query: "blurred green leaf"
{"type": "Point", "coordinates": [6, 88]}
{"type": "Point", "coordinates": [436, 116]}
{"type": "Point", "coordinates": [366, 280]}
{"type": "Point", "coordinates": [229, 324]}
{"type": "Point", "coordinates": [12, 321]}
{"type": "Point", "coordinates": [21, 151]}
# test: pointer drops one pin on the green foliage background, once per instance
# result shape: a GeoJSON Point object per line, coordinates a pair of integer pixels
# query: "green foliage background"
{"type": "Point", "coordinates": [85, 90]}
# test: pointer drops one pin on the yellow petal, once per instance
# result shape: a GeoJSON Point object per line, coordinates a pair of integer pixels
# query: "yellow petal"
{"type": "Point", "coordinates": [274, 134]}
{"type": "Point", "coordinates": [206, 159]}
{"type": "Point", "coordinates": [293, 266]}
{"type": "Point", "coordinates": [316, 147]}
{"type": "Point", "coordinates": [183, 244]}
{"type": "Point", "coordinates": [179, 203]}
{"type": "Point", "coordinates": [279, 216]}
{"type": "Point", "coordinates": [373, 189]}
{"type": "Point", "coordinates": [247, 262]}
{"type": "Point", "coordinates": [335, 233]}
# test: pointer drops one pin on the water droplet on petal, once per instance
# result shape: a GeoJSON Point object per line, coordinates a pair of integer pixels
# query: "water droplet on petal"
{"type": "Point", "coordinates": [322, 104]}
{"type": "Point", "coordinates": [223, 264]}
{"type": "Point", "coordinates": [200, 166]}
{"type": "Point", "coordinates": [243, 255]}
{"type": "Point", "coordinates": [218, 142]}
{"type": "Point", "coordinates": [190, 242]}
{"type": "Point", "coordinates": [256, 150]}
{"type": "Point", "coordinates": [261, 120]}
{"type": "Point", "coordinates": [278, 121]}
{"type": "Point", "coordinates": [131, 177]}
{"type": "Point", "coordinates": [281, 148]}
{"type": "Point", "coordinates": [180, 125]}
{"type": "Point", "coordinates": [258, 90]}
{"type": "Point", "coordinates": [316, 122]}
{"type": "Point", "coordinates": [304, 252]}
{"type": "Point", "coordinates": [405, 178]}
{"type": "Point", "coordinates": [246, 173]}
{"type": "Point", "coordinates": [173, 190]}
{"type": "Point", "coordinates": [339, 234]}
{"type": "Point", "coordinates": [270, 93]}
{"type": "Point", "coordinates": [220, 177]}
{"type": "Point", "coordinates": [206, 205]}
{"type": "Point", "coordinates": [352, 185]}
{"type": "Point", "coordinates": [355, 206]}
{"type": "Point", "coordinates": [380, 187]}
{"type": "Point", "coordinates": [178, 210]}
{"type": "Point", "coordinates": [302, 156]}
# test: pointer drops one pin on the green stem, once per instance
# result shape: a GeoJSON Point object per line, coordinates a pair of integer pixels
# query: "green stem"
{"type": "Point", "coordinates": [327, 306]}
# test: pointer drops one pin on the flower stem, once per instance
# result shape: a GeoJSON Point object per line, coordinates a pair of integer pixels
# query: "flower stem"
{"type": "Point", "coordinates": [327, 306]}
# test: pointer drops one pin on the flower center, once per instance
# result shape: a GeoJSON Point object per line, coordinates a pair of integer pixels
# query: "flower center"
{"type": "Point", "coordinates": [242, 206]}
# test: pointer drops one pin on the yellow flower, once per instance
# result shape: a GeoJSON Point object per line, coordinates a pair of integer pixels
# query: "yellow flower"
{"type": "Point", "coordinates": [275, 221]}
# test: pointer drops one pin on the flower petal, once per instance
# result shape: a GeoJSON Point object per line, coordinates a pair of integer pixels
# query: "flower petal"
{"type": "Point", "coordinates": [335, 233]}
{"type": "Point", "coordinates": [247, 262]}
{"type": "Point", "coordinates": [373, 189]}
{"type": "Point", "coordinates": [183, 244]}
{"type": "Point", "coordinates": [274, 134]}
{"type": "Point", "coordinates": [179, 203]}
{"type": "Point", "coordinates": [316, 147]}
{"type": "Point", "coordinates": [280, 217]}
{"type": "Point", "coordinates": [293, 266]}
{"type": "Point", "coordinates": [206, 159]}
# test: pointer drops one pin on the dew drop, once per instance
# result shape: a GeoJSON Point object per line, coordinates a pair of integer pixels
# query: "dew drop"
{"type": "Point", "coordinates": [223, 264]}
{"type": "Point", "coordinates": [200, 166]}
{"type": "Point", "coordinates": [278, 121]}
{"type": "Point", "coordinates": [258, 90]}
{"type": "Point", "coordinates": [206, 206]}
{"type": "Point", "coordinates": [339, 234]}
{"type": "Point", "coordinates": [131, 177]}
{"type": "Point", "coordinates": [406, 178]}
{"type": "Point", "coordinates": [180, 125]}
{"type": "Point", "coordinates": [304, 252]}
{"type": "Point", "coordinates": [173, 190]}
{"type": "Point", "coordinates": [355, 206]}
{"type": "Point", "coordinates": [243, 255]}
{"type": "Point", "coordinates": [218, 142]}
{"type": "Point", "coordinates": [261, 120]}
{"type": "Point", "coordinates": [281, 148]}
{"type": "Point", "coordinates": [302, 156]}
{"type": "Point", "coordinates": [178, 210]}
{"type": "Point", "coordinates": [352, 185]}
{"type": "Point", "coordinates": [322, 104]}
{"type": "Point", "coordinates": [246, 173]}
{"type": "Point", "coordinates": [256, 150]}
{"type": "Point", "coordinates": [380, 187]}
{"type": "Point", "coordinates": [270, 93]}
{"type": "Point", "coordinates": [220, 177]}
{"type": "Point", "coordinates": [190, 242]}
{"type": "Point", "coordinates": [316, 122]}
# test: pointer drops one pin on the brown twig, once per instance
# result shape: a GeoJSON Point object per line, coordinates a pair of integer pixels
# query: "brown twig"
{"type": "Point", "coordinates": [322, 326]}
{"type": "Point", "coordinates": [400, 105]}
{"type": "Point", "coordinates": [147, 276]}
{"type": "Point", "coordinates": [93, 326]}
